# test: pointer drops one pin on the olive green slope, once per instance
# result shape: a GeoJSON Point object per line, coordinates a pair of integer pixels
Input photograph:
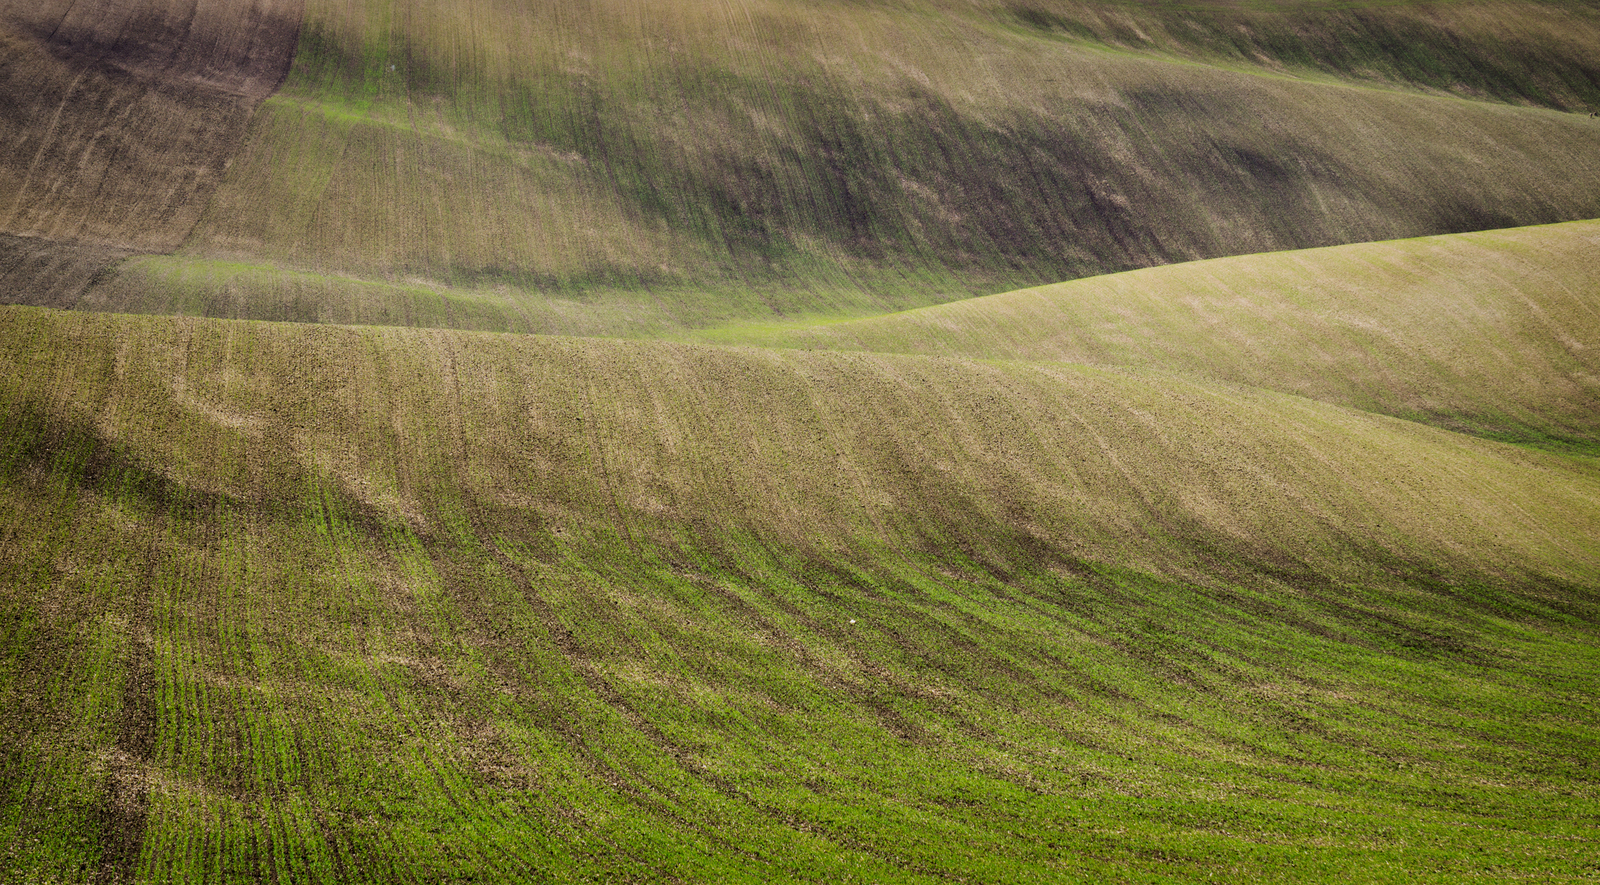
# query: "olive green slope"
{"type": "Point", "coordinates": [333, 604]}
{"type": "Point", "coordinates": [1494, 333]}
{"type": "Point", "coordinates": [1531, 53]}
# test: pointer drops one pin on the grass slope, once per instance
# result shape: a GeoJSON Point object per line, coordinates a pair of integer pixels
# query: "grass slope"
{"type": "Point", "coordinates": [389, 605]}
{"type": "Point", "coordinates": [1492, 333]}
{"type": "Point", "coordinates": [1138, 578]}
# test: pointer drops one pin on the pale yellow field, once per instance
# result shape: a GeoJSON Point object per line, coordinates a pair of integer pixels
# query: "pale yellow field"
{"type": "Point", "coordinates": [1492, 332]}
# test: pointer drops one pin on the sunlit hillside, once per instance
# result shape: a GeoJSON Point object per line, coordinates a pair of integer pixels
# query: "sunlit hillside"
{"type": "Point", "coordinates": [393, 605]}
{"type": "Point", "coordinates": [1489, 333]}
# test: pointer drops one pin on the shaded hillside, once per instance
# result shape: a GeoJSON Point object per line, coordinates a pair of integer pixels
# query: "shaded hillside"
{"type": "Point", "coordinates": [53, 273]}
{"type": "Point", "coordinates": [608, 169]}
{"type": "Point", "coordinates": [388, 605]}
{"type": "Point", "coordinates": [1493, 333]}
{"type": "Point", "coordinates": [603, 146]}
{"type": "Point", "coordinates": [1535, 53]}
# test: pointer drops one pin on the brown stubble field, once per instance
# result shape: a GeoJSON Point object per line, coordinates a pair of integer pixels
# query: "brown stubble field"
{"type": "Point", "coordinates": [119, 122]}
{"type": "Point", "coordinates": [55, 274]}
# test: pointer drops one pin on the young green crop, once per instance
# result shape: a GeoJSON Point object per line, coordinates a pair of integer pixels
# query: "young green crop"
{"type": "Point", "coordinates": [1138, 578]}
{"type": "Point", "coordinates": [394, 605]}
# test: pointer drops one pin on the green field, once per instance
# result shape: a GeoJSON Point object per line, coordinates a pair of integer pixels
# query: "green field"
{"type": "Point", "coordinates": [765, 441]}
{"type": "Point", "coordinates": [384, 604]}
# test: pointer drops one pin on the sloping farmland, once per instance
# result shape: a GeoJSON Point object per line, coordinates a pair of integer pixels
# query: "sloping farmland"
{"type": "Point", "coordinates": [1490, 333]}
{"type": "Point", "coordinates": [776, 554]}
{"type": "Point", "coordinates": [397, 605]}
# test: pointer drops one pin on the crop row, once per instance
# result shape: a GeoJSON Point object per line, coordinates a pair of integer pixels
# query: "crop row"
{"type": "Point", "coordinates": [381, 605]}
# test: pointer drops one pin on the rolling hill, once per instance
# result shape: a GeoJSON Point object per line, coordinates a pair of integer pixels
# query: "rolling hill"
{"type": "Point", "coordinates": [1487, 333]}
{"type": "Point", "coordinates": [813, 539]}
{"type": "Point", "coordinates": [633, 170]}
{"type": "Point", "coordinates": [332, 603]}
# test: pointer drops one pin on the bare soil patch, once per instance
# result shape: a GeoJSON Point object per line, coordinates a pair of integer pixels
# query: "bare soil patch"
{"type": "Point", "coordinates": [121, 117]}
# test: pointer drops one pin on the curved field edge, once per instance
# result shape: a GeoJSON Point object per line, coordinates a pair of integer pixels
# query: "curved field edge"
{"type": "Point", "coordinates": [388, 605]}
{"type": "Point", "coordinates": [1494, 333]}
{"type": "Point", "coordinates": [255, 289]}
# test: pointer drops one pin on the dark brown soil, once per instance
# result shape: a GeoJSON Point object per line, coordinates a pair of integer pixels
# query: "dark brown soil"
{"type": "Point", "coordinates": [117, 120]}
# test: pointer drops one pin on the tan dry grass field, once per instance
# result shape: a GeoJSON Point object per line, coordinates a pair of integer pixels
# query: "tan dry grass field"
{"type": "Point", "coordinates": [806, 449]}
